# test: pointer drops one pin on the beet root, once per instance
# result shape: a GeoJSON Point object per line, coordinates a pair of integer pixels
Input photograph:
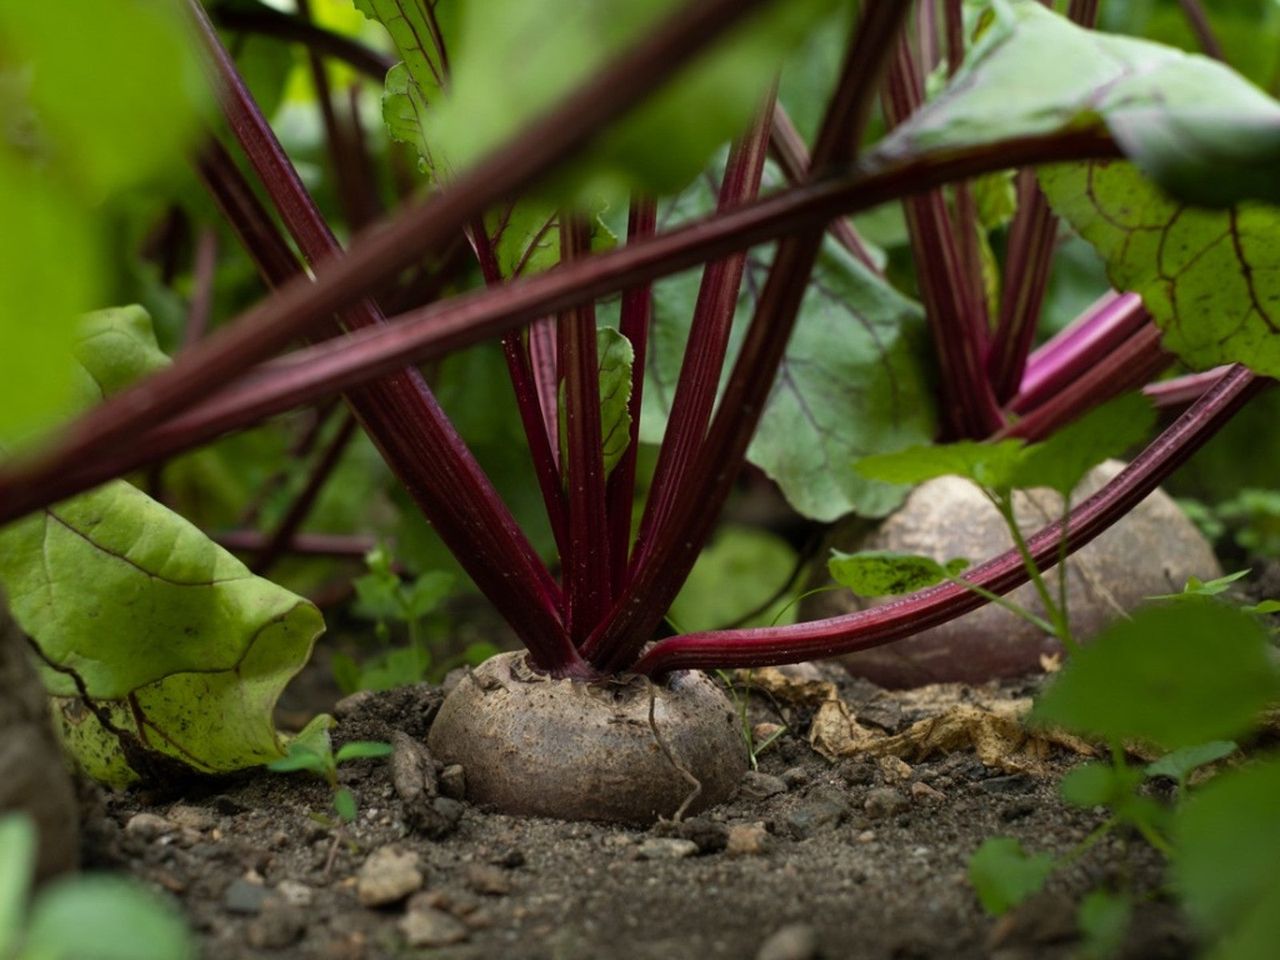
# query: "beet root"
{"type": "Point", "coordinates": [622, 750]}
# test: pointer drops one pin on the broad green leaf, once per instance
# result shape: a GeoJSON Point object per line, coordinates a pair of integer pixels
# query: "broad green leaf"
{"type": "Point", "coordinates": [1103, 919]}
{"type": "Point", "coordinates": [1227, 837]}
{"type": "Point", "coordinates": [1210, 278]}
{"type": "Point", "coordinates": [1189, 122]}
{"type": "Point", "coordinates": [182, 646]}
{"type": "Point", "coordinates": [615, 358]}
{"type": "Point", "coordinates": [1061, 462]}
{"type": "Point", "coordinates": [114, 347]}
{"type": "Point", "coordinates": [116, 88]}
{"type": "Point", "coordinates": [509, 61]}
{"type": "Point", "coordinates": [884, 573]}
{"type": "Point", "coordinates": [854, 380]}
{"type": "Point", "coordinates": [1003, 874]}
{"type": "Point", "coordinates": [17, 870]}
{"type": "Point", "coordinates": [97, 917]}
{"type": "Point", "coordinates": [991, 465]}
{"type": "Point", "coordinates": [738, 572]}
{"type": "Point", "coordinates": [1180, 764]}
{"type": "Point", "coordinates": [1175, 675]}
{"type": "Point", "coordinates": [52, 272]}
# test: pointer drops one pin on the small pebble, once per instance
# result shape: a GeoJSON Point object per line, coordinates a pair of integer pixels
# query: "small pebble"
{"type": "Point", "coordinates": [148, 826]}
{"type": "Point", "coordinates": [894, 769]}
{"type": "Point", "coordinates": [278, 925]}
{"type": "Point", "coordinates": [794, 777]}
{"type": "Point", "coordinates": [453, 782]}
{"type": "Point", "coordinates": [885, 802]}
{"type": "Point", "coordinates": [797, 941]}
{"type": "Point", "coordinates": [710, 837]}
{"type": "Point", "coordinates": [866, 836]}
{"type": "Point", "coordinates": [822, 810]}
{"type": "Point", "coordinates": [758, 786]}
{"type": "Point", "coordinates": [747, 840]}
{"type": "Point", "coordinates": [294, 893]}
{"type": "Point", "coordinates": [762, 733]}
{"type": "Point", "coordinates": [489, 880]}
{"type": "Point", "coordinates": [665, 848]}
{"type": "Point", "coordinates": [428, 927]}
{"type": "Point", "coordinates": [1014, 783]}
{"type": "Point", "coordinates": [244, 897]}
{"type": "Point", "coordinates": [193, 818]}
{"type": "Point", "coordinates": [388, 876]}
{"type": "Point", "coordinates": [926, 794]}
{"type": "Point", "coordinates": [510, 858]}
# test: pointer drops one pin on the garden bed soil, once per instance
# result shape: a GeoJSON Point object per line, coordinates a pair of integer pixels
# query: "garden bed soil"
{"type": "Point", "coordinates": [858, 857]}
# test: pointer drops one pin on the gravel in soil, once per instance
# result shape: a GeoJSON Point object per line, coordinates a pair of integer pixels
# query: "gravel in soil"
{"type": "Point", "coordinates": [862, 857]}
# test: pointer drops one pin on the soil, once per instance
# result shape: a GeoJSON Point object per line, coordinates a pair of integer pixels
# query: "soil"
{"type": "Point", "coordinates": [856, 858]}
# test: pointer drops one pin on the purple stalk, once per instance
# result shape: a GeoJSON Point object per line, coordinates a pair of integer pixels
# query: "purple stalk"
{"type": "Point", "coordinates": [879, 625]}
{"type": "Point", "coordinates": [313, 373]}
{"type": "Point", "coordinates": [955, 309]}
{"type": "Point", "coordinates": [563, 132]}
{"type": "Point", "coordinates": [1127, 367]}
{"type": "Point", "coordinates": [1182, 391]}
{"type": "Point", "coordinates": [1098, 331]}
{"type": "Point", "coordinates": [267, 22]}
{"type": "Point", "coordinates": [588, 585]}
{"type": "Point", "coordinates": [277, 544]}
{"type": "Point", "coordinates": [302, 544]}
{"type": "Point", "coordinates": [1198, 20]}
{"type": "Point", "coordinates": [203, 274]}
{"type": "Point", "coordinates": [657, 579]}
{"type": "Point", "coordinates": [403, 418]}
{"type": "Point", "coordinates": [1032, 238]}
{"type": "Point", "coordinates": [792, 155]}
{"type": "Point", "coordinates": [634, 322]}
{"type": "Point", "coordinates": [708, 342]}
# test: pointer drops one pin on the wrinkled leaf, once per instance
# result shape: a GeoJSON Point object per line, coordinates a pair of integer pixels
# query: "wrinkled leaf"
{"type": "Point", "coordinates": [854, 380]}
{"type": "Point", "coordinates": [1175, 675]}
{"type": "Point", "coordinates": [1228, 840]}
{"type": "Point", "coordinates": [1210, 278]}
{"type": "Point", "coordinates": [614, 359]}
{"type": "Point", "coordinates": [99, 917]}
{"type": "Point", "coordinates": [1191, 123]}
{"type": "Point", "coordinates": [885, 573]}
{"type": "Point", "coordinates": [1003, 874]}
{"type": "Point", "coordinates": [1061, 462]}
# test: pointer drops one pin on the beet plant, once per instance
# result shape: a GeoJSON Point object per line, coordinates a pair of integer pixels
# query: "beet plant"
{"type": "Point", "coordinates": [534, 126]}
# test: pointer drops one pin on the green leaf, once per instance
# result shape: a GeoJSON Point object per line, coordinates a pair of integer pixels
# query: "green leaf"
{"type": "Point", "coordinates": [1061, 462]}
{"type": "Point", "coordinates": [160, 625]}
{"type": "Point", "coordinates": [990, 465]}
{"type": "Point", "coordinates": [1003, 874]}
{"type": "Point", "coordinates": [426, 593]}
{"type": "Point", "coordinates": [115, 347]}
{"type": "Point", "coordinates": [1195, 587]}
{"type": "Point", "coordinates": [1189, 122]}
{"type": "Point", "coordinates": [854, 379]}
{"type": "Point", "coordinates": [1228, 841]}
{"type": "Point", "coordinates": [1098, 784]}
{"type": "Point", "coordinates": [1210, 278]}
{"type": "Point", "coordinates": [96, 917]}
{"type": "Point", "coordinates": [344, 804]}
{"type": "Point", "coordinates": [1175, 675]}
{"type": "Point", "coordinates": [1103, 919]}
{"type": "Point", "coordinates": [17, 870]}
{"type": "Point", "coordinates": [362, 750]}
{"type": "Point", "coordinates": [885, 573]}
{"type": "Point", "coordinates": [115, 87]}
{"type": "Point", "coordinates": [615, 358]}
{"type": "Point", "coordinates": [300, 757]}
{"type": "Point", "coordinates": [1180, 764]}
{"type": "Point", "coordinates": [741, 569]}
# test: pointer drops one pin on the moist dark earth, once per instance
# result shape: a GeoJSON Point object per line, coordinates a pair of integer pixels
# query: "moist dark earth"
{"type": "Point", "coordinates": [861, 857]}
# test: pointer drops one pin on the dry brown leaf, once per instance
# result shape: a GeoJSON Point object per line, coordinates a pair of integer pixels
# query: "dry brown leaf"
{"type": "Point", "coordinates": [790, 686]}
{"type": "Point", "coordinates": [836, 733]}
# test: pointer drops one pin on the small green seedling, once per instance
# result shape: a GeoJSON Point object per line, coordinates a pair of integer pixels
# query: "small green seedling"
{"type": "Point", "coordinates": [313, 751]}
{"type": "Point", "coordinates": [85, 917]}
{"type": "Point", "coordinates": [387, 599]}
